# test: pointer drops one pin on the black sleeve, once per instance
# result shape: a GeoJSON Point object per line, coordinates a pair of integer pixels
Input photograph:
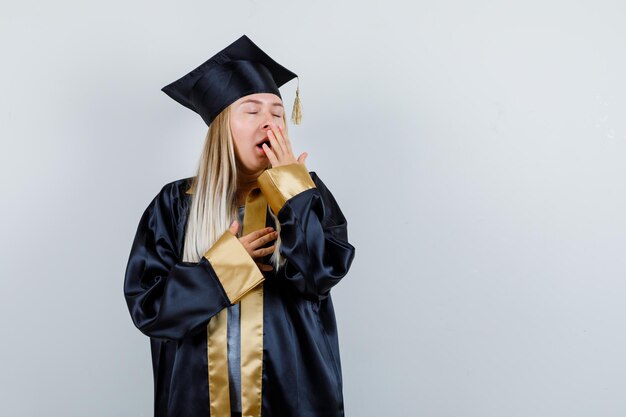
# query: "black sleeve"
{"type": "Point", "coordinates": [314, 240]}
{"type": "Point", "coordinates": [168, 298]}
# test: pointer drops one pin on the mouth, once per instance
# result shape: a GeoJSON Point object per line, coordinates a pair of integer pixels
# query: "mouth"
{"type": "Point", "coordinates": [266, 141]}
{"type": "Point", "coordinates": [259, 147]}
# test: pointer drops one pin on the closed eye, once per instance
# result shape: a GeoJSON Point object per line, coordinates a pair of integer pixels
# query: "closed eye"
{"type": "Point", "coordinates": [255, 112]}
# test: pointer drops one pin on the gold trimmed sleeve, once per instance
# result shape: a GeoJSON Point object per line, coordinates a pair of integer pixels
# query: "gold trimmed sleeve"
{"type": "Point", "coordinates": [281, 183]}
{"type": "Point", "coordinates": [234, 267]}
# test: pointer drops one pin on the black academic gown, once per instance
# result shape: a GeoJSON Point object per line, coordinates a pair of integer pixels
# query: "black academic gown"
{"type": "Point", "coordinates": [171, 302]}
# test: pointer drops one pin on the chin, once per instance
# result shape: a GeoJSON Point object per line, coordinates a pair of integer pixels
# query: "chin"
{"type": "Point", "coordinates": [256, 165]}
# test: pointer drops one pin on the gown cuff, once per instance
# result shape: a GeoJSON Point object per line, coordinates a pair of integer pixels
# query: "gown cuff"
{"type": "Point", "coordinates": [281, 183]}
{"type": "Point", "coordinates": [234, 267]}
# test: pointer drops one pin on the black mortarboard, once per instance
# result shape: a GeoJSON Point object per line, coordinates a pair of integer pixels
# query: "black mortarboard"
{"type": "Point", "coordinates": [240, 69]}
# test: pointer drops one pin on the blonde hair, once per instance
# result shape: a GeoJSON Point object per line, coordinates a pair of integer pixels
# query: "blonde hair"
{"type": "Point", "coordinates": [213, 207]}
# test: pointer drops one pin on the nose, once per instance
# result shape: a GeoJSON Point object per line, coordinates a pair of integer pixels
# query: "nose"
{"type": "Point", "coordinates": [267, 121]}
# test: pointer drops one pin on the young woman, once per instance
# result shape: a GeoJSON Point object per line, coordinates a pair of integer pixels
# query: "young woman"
{"type": "Point", "coordinates": [240, 319]}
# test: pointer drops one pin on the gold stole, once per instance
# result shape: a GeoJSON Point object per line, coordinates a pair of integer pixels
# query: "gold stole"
{"type": "Point", "coordinates": [279, 184]}
{"type": "Point", "coordinates": [251, 312]}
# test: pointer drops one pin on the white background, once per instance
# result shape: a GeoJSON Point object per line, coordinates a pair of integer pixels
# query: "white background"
{"type": "Point", "coordinates": [476, 148]}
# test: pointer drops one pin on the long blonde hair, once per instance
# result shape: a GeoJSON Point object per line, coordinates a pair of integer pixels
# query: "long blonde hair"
{"type": "Point", "coordinates": [213, 207]}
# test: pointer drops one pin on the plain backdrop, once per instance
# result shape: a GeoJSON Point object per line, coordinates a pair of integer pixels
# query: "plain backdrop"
{"type": "Point", "coordinates": [476, 148]}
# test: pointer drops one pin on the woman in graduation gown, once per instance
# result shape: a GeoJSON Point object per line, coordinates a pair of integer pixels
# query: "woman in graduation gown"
{"type": "Point", "coordinates": [230, 271]}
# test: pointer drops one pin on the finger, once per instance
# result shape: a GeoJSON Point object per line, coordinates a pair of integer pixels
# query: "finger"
{"type": "Point", "coordinates": [270, 154]}
{"type": "Point", "coordinates": [259, 253]}
{"type": "Point", "coordinates": [264, 239]}
{"type": "Point", "coordinates": [234, 228]}
{"type": "Point", "coordinates": [264, 267]}
{"type": "Point", "coordinates": [302, 157]}
{"type": "Point", "coordinates": [287, 140]}
{"type": "Point", "coordinates": [278, 134]}
{"type": "Point", "coordinates": [262, 251]}
{"type": "Point", "coordinates": [259, 243]}
{"type": "Point", "coordinates": [276, 147]}
{"type": "Point", "coordinates": [252, 236]}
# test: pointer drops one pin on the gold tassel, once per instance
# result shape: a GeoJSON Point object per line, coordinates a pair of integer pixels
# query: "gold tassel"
{"type": "Point", "coordinates": [296, 113]}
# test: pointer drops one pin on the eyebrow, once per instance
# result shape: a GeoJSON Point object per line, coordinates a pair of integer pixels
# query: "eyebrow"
{"type": "Point", "coordinates": [260, 102]}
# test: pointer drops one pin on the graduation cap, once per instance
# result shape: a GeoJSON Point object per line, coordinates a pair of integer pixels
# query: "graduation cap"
{"type": "Point", "coordinates": [240, 69]}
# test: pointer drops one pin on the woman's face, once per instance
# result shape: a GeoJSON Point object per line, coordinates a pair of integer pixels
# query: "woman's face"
{"type": "Point", "coordinates": [250, 119]}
